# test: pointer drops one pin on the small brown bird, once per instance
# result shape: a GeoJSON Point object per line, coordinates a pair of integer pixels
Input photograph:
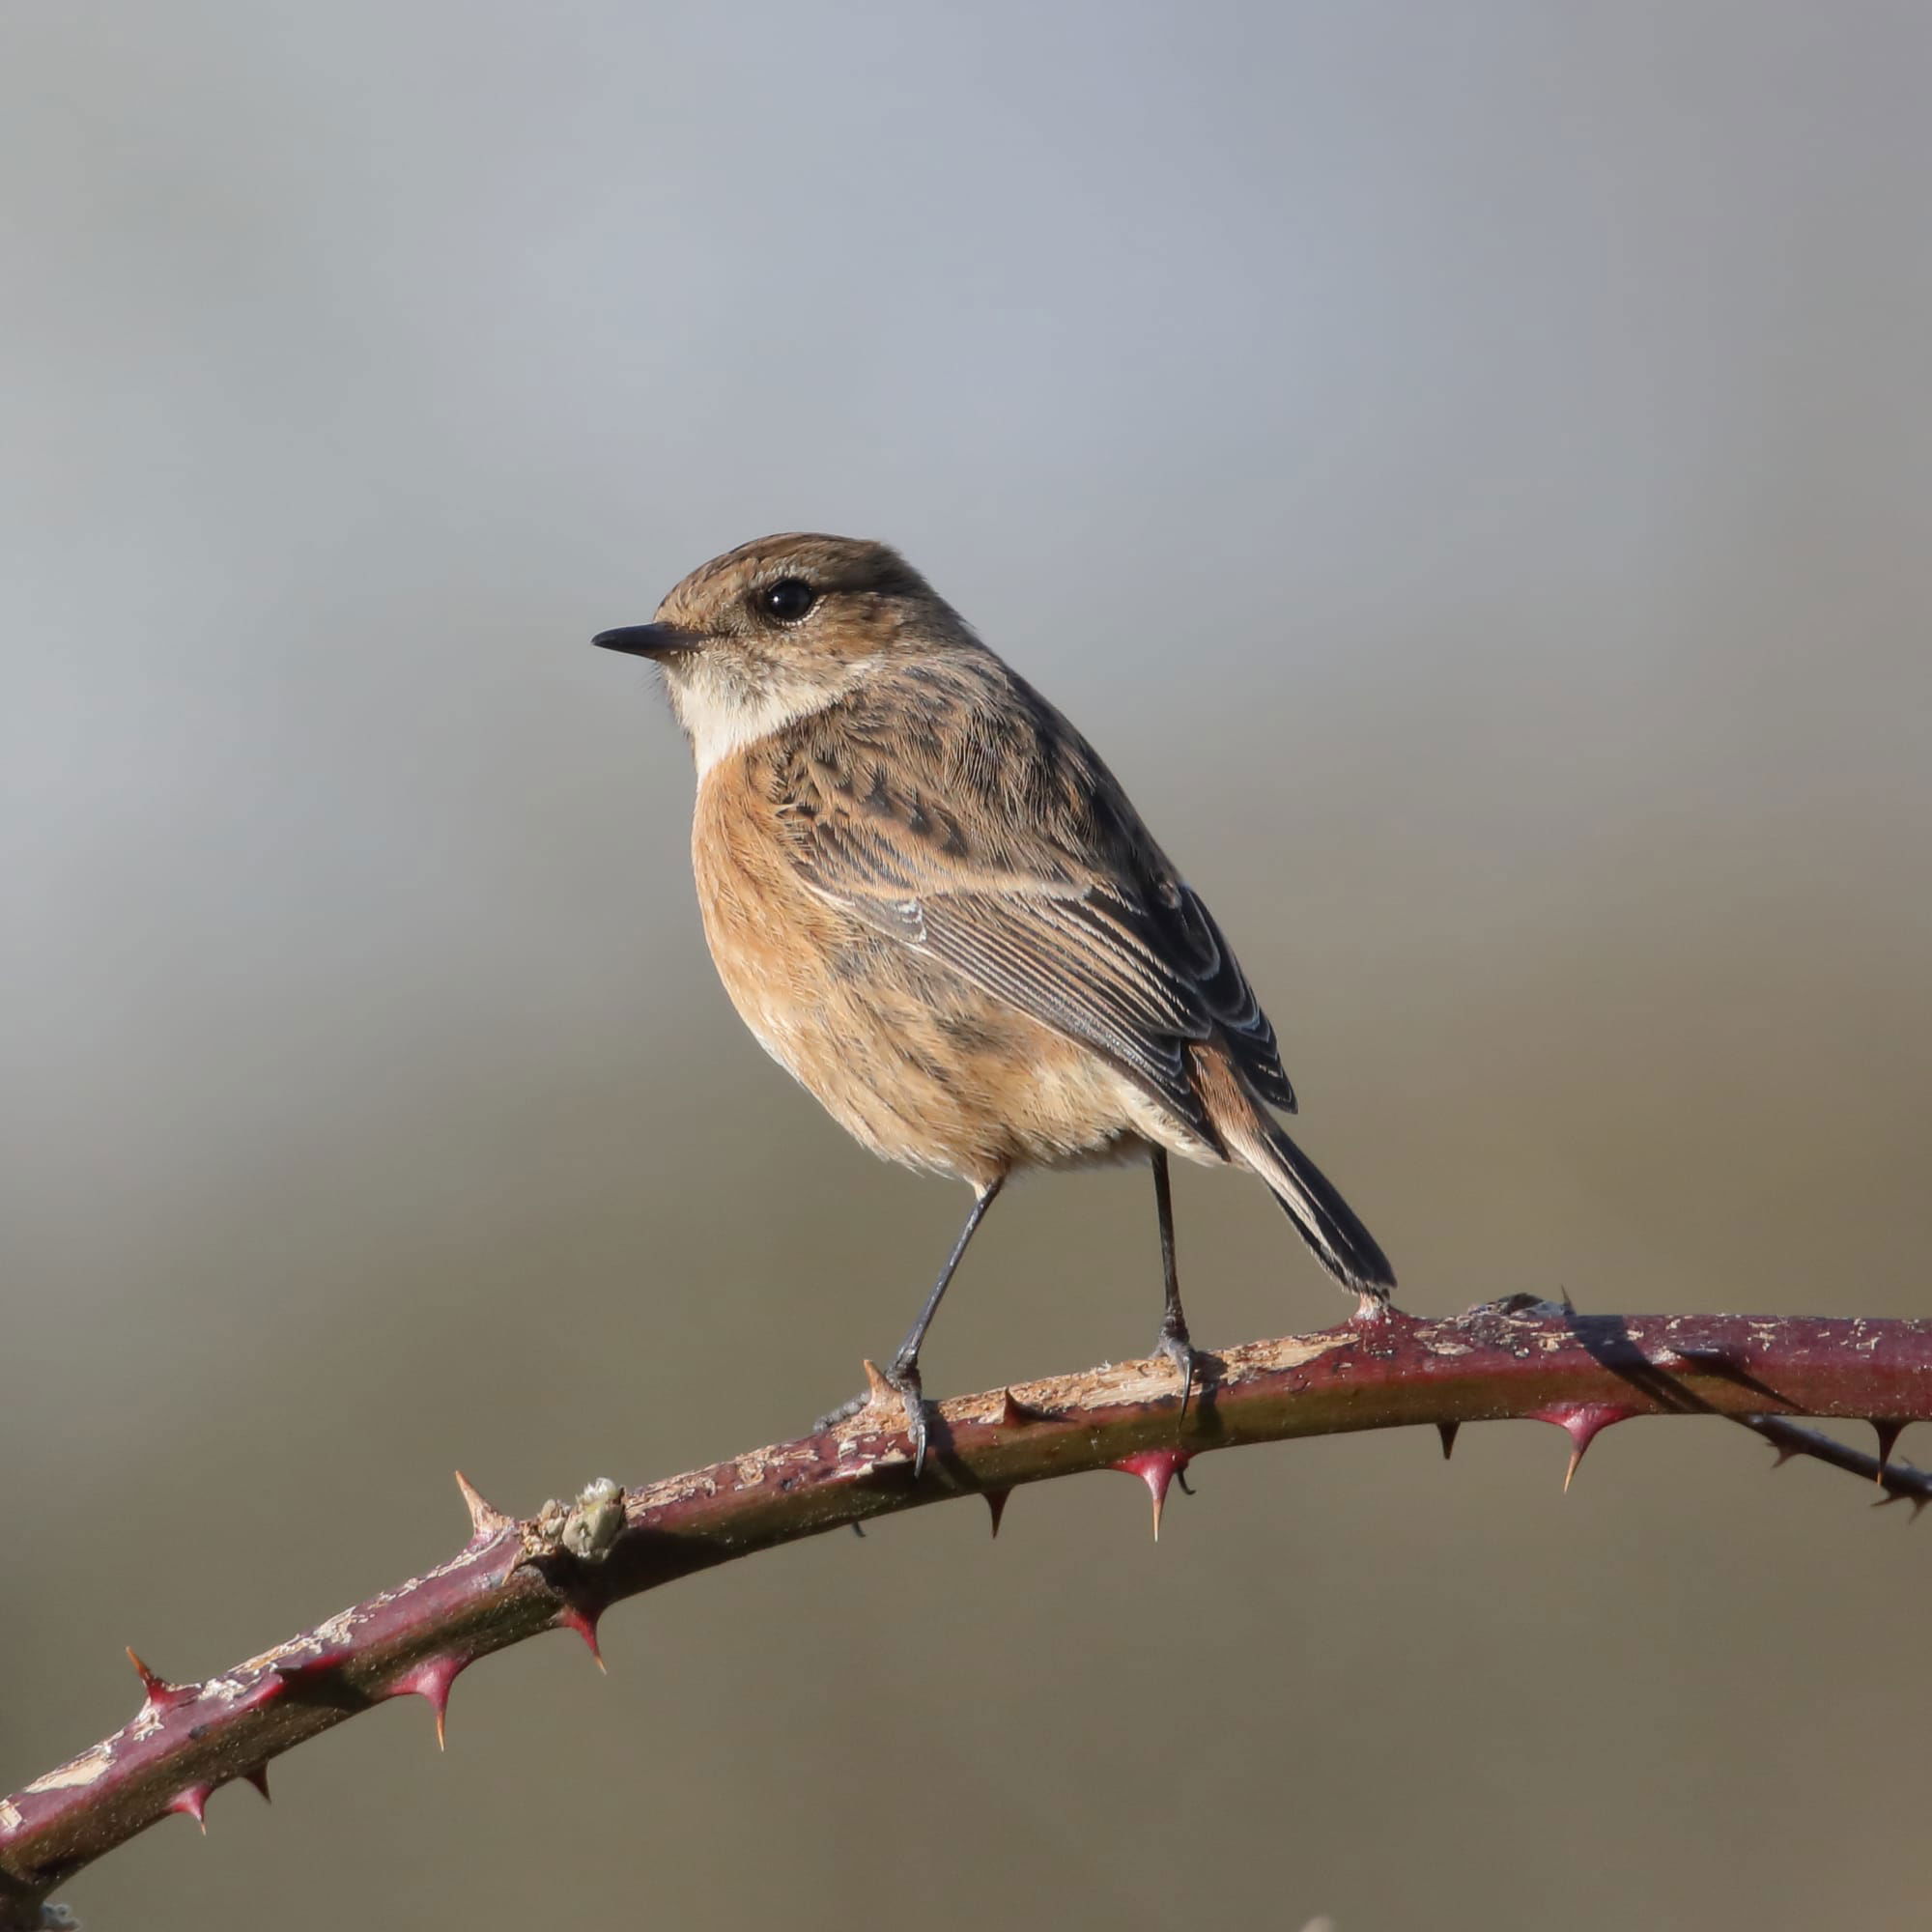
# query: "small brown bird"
{"type": "Point", "coordinates": [937, 910]}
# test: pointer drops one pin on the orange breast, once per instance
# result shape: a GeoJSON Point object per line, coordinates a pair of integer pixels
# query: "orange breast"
{"type": "Point", "coordinates": [914, 1061]}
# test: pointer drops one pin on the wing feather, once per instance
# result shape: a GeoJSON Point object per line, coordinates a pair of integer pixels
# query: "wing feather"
{"type": "Point", "coordinates": [1003, 847]}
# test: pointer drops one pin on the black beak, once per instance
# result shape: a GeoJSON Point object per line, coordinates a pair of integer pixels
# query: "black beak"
{"type": "Point", "coordinates": [647, 640]}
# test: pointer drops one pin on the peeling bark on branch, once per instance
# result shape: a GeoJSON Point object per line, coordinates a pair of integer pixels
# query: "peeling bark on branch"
{"type": "Point", "coordinates": [562, 1568]}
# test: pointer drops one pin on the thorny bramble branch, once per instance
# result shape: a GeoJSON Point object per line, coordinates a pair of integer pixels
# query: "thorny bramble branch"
{"type": "Point", "coordinates": [564, 1566]}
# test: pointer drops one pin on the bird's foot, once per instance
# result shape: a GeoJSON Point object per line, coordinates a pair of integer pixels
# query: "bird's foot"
{"type": "Point", "coordinates": [1173, 1342]}
{"type": "Point", "coordinates": [905, 1378]}
{"type": "Point", "coordinates": [900, 1380]}
{"type": "Point", "coordinates": [845, 1412]}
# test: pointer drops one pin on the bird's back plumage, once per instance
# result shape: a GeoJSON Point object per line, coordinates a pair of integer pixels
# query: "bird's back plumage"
{"type": "Point", "coordinates": [978, 826]}
{"type": "Point", "coordinates": [945, 806]}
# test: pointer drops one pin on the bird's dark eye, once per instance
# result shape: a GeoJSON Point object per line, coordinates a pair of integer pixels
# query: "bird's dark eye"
{"type": "Point", "coordinates": [787, 599]}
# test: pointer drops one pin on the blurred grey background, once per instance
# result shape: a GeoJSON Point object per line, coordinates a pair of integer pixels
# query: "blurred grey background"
{"type": "Point", "coordinates": [1467, 466]}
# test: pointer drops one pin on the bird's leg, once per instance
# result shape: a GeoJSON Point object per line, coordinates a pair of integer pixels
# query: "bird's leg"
{"type": "Point", "coordinates": [1173, 1341]}
{"type": "Point", "coordinates": [903, 1373]}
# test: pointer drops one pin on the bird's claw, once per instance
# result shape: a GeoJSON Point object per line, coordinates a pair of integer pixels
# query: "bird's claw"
{"type": "Point", "coordinates": [845, 1412]}
{"type": "Point", "coordinates": [1173, 1342]}
{"type": "Point", "coordinates": [900, 1380]}
{"type": "Point", "coordinates": [903, 1376]}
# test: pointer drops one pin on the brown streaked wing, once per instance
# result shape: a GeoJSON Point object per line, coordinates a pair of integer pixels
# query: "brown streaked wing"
{"type": "Point", "coordinates": [1055, 899]}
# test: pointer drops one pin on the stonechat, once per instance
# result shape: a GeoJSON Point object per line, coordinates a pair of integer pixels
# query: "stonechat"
{"type": "Point", "coordinates": [938, 911]}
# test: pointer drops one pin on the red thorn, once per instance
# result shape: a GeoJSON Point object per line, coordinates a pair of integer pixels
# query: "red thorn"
{"type": "Point", "coordinates": [162, 1695]}
{"type": "Point", "coordinates": [1887, 1432]}
{"type": "Point", "coordinates": [266, 1689]}
{"type": "Point", "coordinates": [1785, 1455]}
{"type": "Point", "coordinates": [1698, 1355]}
{"type": "Point", "coordinates": [429, 1680]}
{"type": "Point", "coordinates": [315, 1680]}
{"type": "Point", "coordinates": [1156, 1468]}
{"type": "Point", "coordinates": [1893, 1495]}
{"type": "Point", "coordinates": [259, 1779]}
{"type": "Point", "coordinates": [996, 1505]}
{"type": "Point", "coordinates": [1013, 1414]}
{"type": "Point", "coordinates": [584, 1624]}
{"type": "Point", "coordinates": [1447, 1432]}
{"type": "Point", "coordinates": [1583, 1422]}
{"type": "Point", "coordinates": [193, 1804]}
{"type": "Point", "coordinates": [485, 1517]}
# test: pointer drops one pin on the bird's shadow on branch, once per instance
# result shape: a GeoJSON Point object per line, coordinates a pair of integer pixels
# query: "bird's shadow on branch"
{"type": "Point", "coordinates": [1609, 1342]}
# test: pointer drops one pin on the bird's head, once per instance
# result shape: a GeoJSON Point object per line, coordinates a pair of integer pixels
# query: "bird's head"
{"type": "Point", "coordinates": [780, 628]}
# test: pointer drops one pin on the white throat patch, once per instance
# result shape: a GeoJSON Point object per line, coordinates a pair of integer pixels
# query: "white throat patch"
{"type": "Point", "coordinates": [719, 715]}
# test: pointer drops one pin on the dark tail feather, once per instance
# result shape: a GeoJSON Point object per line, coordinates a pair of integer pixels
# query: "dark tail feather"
{"type": "Point", "coordinates": [1324, 1219]}
{"type": "Point", "coordinates": [1321, 1216]}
